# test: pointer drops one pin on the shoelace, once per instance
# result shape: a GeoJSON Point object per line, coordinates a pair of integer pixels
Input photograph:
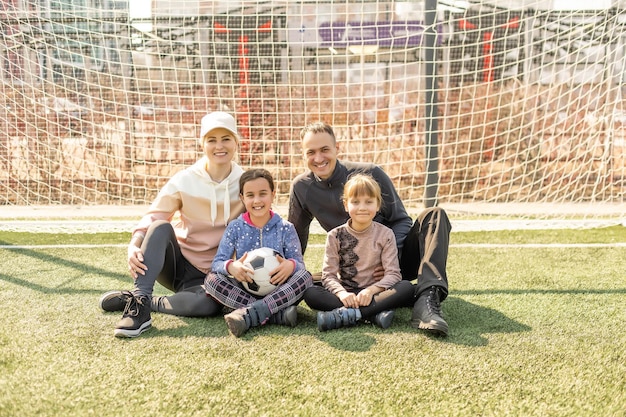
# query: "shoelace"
{"type": "Point", "coordinates": [131, 308]}
{"type": "Point", "coordinates": [125, 296]}
{"type": "Point", "coordinates": [433, 301]}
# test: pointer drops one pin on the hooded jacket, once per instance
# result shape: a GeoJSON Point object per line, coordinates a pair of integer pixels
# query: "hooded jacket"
{"type": "Point", "coordinates": [204, 209]}
{"type": "Point", "coordinates": [242, 236]}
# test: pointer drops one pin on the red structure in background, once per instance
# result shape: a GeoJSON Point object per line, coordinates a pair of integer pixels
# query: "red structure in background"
{"type": "Point", "coordinates": [238, 31]}
{"type": "Point", "coordinates": [488, 29]}
{"type": "Point", "coordinates": [487, 37]}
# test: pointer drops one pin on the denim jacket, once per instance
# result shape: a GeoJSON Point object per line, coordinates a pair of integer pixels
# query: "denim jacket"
{"type": "Point", "coordinates": [242, 236]}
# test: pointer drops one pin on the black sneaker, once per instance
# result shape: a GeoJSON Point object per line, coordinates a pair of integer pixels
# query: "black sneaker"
{"type": "Point", "coordinates": [115, 300]}
{"type": "Point", "coordinates": [136, 318]}
{"type": "Point", "coordinates": [427, 313]}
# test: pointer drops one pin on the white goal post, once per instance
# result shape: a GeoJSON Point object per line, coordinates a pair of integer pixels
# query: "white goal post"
{"type": "Point", "coordinates": [101, 99]}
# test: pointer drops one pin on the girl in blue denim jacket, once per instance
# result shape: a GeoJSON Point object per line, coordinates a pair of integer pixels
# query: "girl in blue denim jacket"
{"type": "Point", "coordinates": [258, 227]}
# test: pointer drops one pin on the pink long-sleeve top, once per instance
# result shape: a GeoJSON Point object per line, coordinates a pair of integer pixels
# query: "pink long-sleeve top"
{"type": "Point", "coordinates": [351, 257]}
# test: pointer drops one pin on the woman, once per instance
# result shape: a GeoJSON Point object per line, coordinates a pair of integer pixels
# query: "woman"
{"type": "Point", "coordinates": [179, 255]}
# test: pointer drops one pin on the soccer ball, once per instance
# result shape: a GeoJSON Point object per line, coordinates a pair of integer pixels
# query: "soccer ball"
{"type": "Point", "coordinates": [262, 261]}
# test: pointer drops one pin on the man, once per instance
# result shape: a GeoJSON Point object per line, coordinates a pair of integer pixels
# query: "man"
{"type": "Point", "coordinates": [422, 246]}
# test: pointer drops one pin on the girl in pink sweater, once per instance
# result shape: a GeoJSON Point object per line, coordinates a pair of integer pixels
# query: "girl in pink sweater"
{"type": "Point", "coordinates": [350, 292]}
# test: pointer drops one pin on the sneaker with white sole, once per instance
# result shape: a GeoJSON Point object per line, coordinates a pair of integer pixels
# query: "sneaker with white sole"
{"type": "Point", "coordinates": [136, 318]}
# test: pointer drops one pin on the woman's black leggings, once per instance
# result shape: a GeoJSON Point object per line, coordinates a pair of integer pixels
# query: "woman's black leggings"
{"type": "Point", "coordinates": [167, 266]}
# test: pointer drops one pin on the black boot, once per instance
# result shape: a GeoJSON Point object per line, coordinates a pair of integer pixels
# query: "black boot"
{"type": "Point", "coordinates": [285, 317]}
{"type": "Point", "coordinates": [427, 313]}
{"type": "Point", "coordinates": [240, 320]}
{"type": "Point", "coordinates": [339, 317]}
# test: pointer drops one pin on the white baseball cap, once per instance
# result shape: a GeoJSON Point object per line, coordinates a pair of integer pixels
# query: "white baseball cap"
{"type": "Point", "coordinates": [216, 120]}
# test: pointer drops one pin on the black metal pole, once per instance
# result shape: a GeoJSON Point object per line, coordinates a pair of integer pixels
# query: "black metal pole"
{"type": "Point", "coordinates": [431, 117]}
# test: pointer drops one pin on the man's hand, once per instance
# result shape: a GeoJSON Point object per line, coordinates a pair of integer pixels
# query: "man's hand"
{"type": "Point", "coordinates": [379, 272]}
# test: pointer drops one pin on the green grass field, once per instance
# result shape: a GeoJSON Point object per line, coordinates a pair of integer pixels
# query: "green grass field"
{"type": "Point", "coordinates": [536, 329]}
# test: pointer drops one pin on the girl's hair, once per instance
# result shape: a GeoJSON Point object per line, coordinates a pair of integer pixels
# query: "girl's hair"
{"type": "Point", "coordinates": [362, 184]}
{"type": "Point", "coordinates": [318, 127]}
{"type": "Point", "coordinates": [253, 174]}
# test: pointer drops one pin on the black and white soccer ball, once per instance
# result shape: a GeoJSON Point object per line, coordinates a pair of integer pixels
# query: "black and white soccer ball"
{"type": "Point", "coordinates": [262, 261]}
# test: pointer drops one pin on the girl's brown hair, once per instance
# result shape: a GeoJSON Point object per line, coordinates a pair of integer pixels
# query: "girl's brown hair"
{"type": "Point", "coordinates": [253, 174]}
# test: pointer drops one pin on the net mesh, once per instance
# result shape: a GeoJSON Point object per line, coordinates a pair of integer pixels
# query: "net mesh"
{"type": "Point", "coordinates": [101, 99]}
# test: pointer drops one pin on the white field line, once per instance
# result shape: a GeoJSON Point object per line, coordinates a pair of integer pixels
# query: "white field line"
{"type": "Point", "coordinates": [539, 245]}
{"type": "Point", "coordinates": [125, 226]}
{"type": "Point", "coordinates": [320, 245]}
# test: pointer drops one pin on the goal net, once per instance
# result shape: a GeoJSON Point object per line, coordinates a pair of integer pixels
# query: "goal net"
{"type": "Point", "coordinates": [499, 108]}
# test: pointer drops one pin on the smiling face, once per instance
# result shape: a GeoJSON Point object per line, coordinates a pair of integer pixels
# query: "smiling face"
{"type": "Point", "coordinates": [362, 209]}
{"type": "Point", "coordinates": [220, 146]}
{"type": "Point", "coordinates": [257, 196]}
{"type": "Point", "coordinates": [362, 200]}
{"type": "Point", "coordinates": [320, 152]}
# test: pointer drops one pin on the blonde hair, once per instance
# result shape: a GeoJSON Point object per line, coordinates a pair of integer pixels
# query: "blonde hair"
{"type": "Point", "coordinates": [362, 184]}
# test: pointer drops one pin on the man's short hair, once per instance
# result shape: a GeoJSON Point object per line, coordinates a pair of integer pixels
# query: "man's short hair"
{"type": "Point", "coordinates": [318, 127]}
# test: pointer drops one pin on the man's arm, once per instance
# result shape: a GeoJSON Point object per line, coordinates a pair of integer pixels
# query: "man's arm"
{"type": "Point", "coordinates": [394, 215]}
{"type": "Point", "coordinates": [300, 218]}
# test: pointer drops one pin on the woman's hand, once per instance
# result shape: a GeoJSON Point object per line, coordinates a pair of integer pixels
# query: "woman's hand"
{"type": "Point", "coordinates": [136, 266]}
{"type": "Point", "coordinates": [283, 271]}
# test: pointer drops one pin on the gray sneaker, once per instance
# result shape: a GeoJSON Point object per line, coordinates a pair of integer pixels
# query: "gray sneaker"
{"type": "Point", "coordinates": [338, 318]}
{"type": "Point", "coordinates": [286, 317]}
{"type": "Point", "coordinates": [237, 323]}
{"type": "Point", "coordinates": [384, 319]}
{"type": "Point", "coordinates": [115, 300]}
